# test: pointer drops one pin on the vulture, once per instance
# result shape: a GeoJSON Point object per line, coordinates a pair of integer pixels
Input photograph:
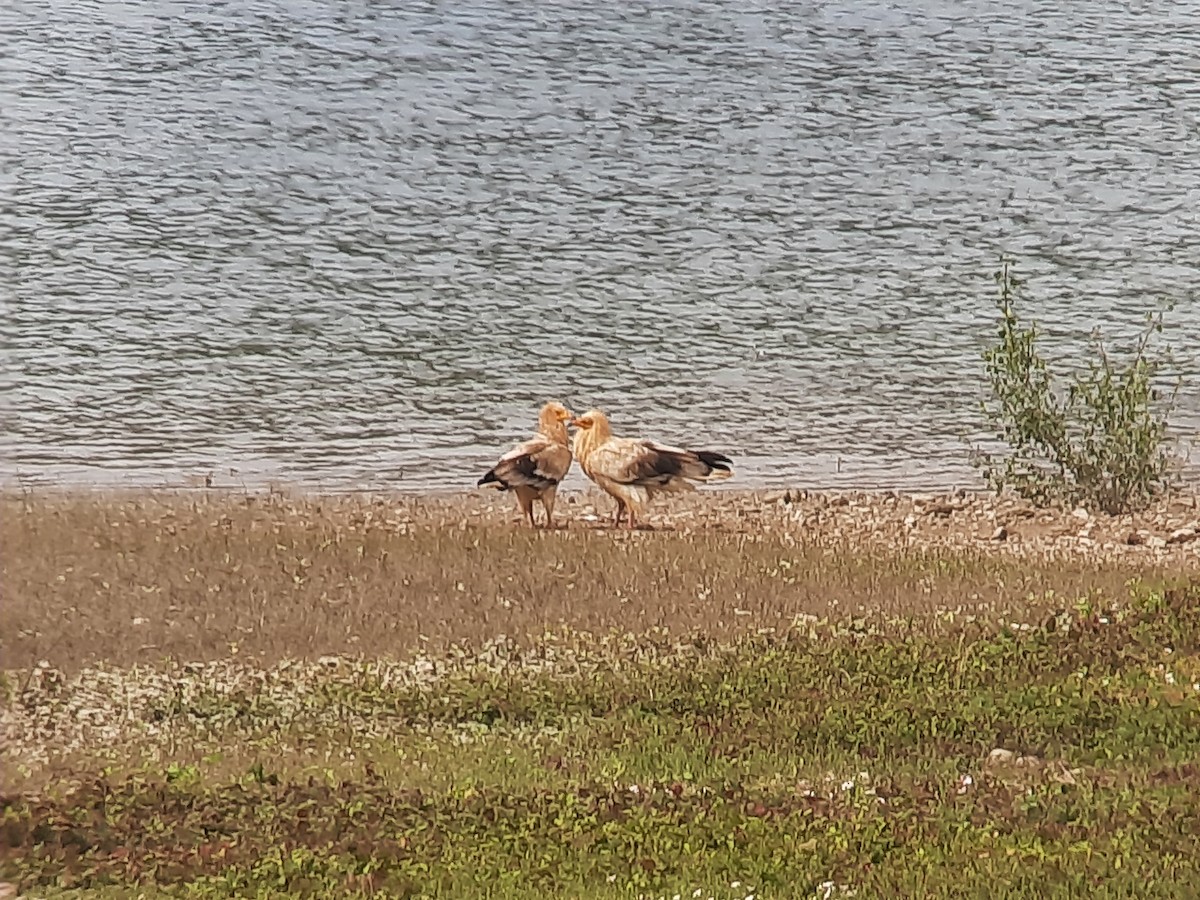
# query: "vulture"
{"type": "Point", "coordinates": [534, 468]}
{"type": "Point", "coordinates": [634, 470]}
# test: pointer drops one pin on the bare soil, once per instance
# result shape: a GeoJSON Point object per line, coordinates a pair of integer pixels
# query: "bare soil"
{"type": "Point", "coordinates": [130, 578]}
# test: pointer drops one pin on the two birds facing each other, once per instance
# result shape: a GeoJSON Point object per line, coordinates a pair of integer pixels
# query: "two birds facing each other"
{"type": "Point", "coordinates": [631, 470]}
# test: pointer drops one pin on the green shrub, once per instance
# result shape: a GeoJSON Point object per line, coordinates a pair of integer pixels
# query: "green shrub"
{"type": "Point", "coordinates": [1101, 443]}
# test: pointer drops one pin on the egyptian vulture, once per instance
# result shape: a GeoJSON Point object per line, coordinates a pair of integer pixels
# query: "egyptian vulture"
{"type": "Point", "coordinates": [634, 470]}
{"type": "Point", "coordinates": [534, 468]}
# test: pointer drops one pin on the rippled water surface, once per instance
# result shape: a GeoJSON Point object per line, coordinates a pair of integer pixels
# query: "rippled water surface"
{"type": "Point", "coordinates": [356, 244]}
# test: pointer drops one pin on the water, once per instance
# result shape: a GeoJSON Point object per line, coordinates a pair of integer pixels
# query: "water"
{"type": "Point", "coordinates": [356, 244]}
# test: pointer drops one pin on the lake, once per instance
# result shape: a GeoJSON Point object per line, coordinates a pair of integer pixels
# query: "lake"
{"type": "Point", "coordinates": [355, 245]}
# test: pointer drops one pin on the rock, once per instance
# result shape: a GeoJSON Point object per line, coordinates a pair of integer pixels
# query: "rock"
{"type": "Point", "coordinates": [1154, 542]}
{"type": "Point", "coordinates": [1000, 534]}
{"type": "Point", "coordinates": [1028, 762]}
{"type": "Point", "coordinates": [1001, 757]}
{"type": "Point", "coordinates": [1063, 775]}
{"type": "Point", "coordinates": [1183, 535]}
{"type": "Point", "coordinates": [1081, 514]}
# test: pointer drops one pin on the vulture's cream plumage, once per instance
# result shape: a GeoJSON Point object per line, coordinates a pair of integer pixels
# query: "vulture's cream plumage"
{"type": "Point", "coordinates": [634, 470]}
{"type": "Point", "coordinates": [534, 468]}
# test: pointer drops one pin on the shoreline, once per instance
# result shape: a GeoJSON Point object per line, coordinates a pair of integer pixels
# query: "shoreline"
{"type": "Point", "coordinates": [827, 512]}
{"type": "Point", "coordinates": [575, 481]}
{"type": "Point", "coordinates": [1187, 491]}
{"type": "Point", "coordinates": [459, 473]}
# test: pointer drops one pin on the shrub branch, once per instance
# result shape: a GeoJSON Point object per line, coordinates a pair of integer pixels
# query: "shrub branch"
{"type": "Point", "coordinates": [1102, 443]}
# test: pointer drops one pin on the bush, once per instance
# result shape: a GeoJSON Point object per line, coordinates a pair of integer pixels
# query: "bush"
{"type": "Point", "coordinates": [1102, 445]}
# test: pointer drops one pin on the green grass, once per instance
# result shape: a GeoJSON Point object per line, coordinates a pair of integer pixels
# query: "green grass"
{"type": "Point", "coordinates": [805, 764]}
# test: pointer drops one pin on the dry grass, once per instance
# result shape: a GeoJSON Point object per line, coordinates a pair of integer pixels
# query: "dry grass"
{"type": "Point", "coordinates": [197, 576]}
{"type": "Point", "coordinates": [679, 731]}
